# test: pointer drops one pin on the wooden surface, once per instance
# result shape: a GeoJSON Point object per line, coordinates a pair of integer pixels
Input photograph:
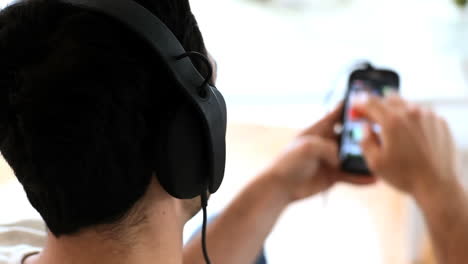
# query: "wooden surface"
{"type": "Point", "coordinates": [6, 175]}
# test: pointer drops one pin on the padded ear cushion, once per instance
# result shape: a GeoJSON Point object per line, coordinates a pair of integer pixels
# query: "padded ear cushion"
{"type": "Point", "coordinates": [218, 145]}
{"type": "Point", "coordinates": [182, 157]}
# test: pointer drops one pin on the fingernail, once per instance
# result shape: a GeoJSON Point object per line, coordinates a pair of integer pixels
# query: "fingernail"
{"type": "Point", "coordinates": [338, 128]}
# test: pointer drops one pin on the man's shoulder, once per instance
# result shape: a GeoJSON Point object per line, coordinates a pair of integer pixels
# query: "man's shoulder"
{"type": "Point", "coordinates": [20, 239]}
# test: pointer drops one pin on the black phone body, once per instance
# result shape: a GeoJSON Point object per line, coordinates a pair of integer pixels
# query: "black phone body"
{"type": "Point", "coordinates": [361, 83]}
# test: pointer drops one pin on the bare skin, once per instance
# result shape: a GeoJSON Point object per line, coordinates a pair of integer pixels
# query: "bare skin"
{"type": "Point", "coordinates": [157, 240]}
{"type": "Point", "coordinates": [309, 165]}
{"type": "Point", "coordinates": [415, 153]}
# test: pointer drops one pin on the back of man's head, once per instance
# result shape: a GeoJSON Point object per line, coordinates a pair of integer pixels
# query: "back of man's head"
{"type": "Point", "coordinates": [81, 102]}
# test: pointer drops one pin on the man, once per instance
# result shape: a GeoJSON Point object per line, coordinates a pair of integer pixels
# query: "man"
{"type": "Point", "coordinates": [82, 105]}
{"type": "Point", "coordinates": [84, 108]}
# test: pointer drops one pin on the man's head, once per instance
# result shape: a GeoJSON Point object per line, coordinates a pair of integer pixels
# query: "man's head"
{"type": "Point", "coordinates": [88, 101]}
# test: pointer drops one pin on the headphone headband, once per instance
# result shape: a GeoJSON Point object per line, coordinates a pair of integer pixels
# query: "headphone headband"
{"type": "Point", "coordinates": [149, 27]}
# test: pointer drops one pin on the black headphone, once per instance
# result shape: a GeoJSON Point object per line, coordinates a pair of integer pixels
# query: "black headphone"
{"type": "Point", "coordinates": [191, 150]}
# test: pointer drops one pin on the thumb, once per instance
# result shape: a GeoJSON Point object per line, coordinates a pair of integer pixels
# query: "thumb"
{"type": "Point", "coordinates": [371, 148]}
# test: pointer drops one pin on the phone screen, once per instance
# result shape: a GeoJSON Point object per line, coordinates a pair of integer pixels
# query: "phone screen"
{"type": "Point", "coordinates": [353, 126]}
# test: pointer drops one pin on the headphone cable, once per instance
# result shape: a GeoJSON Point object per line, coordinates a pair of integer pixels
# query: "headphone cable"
{"type": "Point", "coordinates": [204, 201]}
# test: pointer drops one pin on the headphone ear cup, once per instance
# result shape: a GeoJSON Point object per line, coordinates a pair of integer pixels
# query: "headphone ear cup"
{"type": "Point", "coordinates": [182, 158]}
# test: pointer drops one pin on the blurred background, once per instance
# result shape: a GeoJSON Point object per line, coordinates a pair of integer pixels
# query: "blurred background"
{"type": "Point", "coordinates": [282, 65]}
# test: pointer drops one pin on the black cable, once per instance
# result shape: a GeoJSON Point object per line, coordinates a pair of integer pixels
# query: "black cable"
{"type": "Point", "coordinates": [192, 54]}
{"type": "Point", "coordinates": [204, 203]}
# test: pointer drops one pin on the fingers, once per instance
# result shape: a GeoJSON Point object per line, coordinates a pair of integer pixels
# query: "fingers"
{"type": "Point", "coordinates": [373, 109]}
{"type": "Point", "coordinates": [324, 127]}
{"type": "Point", "coordinates": [371, 148]}
{"type": "Point", "coordinates": [394, 100]}
{"type": "Point", "coordinates": [446, 128]}
{"type": "Point", "coordinates": [322, 149]}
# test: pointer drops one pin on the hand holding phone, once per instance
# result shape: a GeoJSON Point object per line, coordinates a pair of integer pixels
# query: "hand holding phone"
{"type": "Point", "coordinates": [362, 83]}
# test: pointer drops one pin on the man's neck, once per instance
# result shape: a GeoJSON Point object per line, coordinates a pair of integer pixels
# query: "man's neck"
{"type": "Point", "coordinates": [157, 240]}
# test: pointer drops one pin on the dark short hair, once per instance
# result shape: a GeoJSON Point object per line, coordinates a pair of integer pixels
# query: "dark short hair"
{"type": "Point", "coordinates": [82, 99]}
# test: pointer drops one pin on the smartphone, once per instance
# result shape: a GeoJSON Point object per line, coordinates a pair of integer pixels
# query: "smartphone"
{"type": "Point", "coordinates": [363, 82]}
